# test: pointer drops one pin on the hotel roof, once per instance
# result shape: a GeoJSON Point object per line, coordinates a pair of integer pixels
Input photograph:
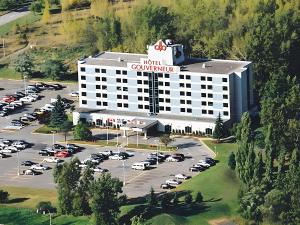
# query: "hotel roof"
{"type": "Point", "coordinates": [194, 65]}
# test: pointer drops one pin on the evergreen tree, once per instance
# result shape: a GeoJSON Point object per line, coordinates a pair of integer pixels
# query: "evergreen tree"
{"type": "Point", "coordinates": [24, 65]}
{"type": "Point", "coordinates": [58, 115]}
{"type": "Point", "coordinates": [199, 197]}
{"type": "Point", "coordinates": [175, 199]}
{"type": "Point", "coordinates": [82, 132]}
{"type": "Point", "coordinates": [151, 199]}
{"type": "Point", "coordinates": [188, 198]}
{"type": "Point", "coordinates": [231, 161]}
{"type": "Point", "coordinates": [219, 128]}
{"type": "Point", "coordinates": [165, 202]}
{"type": "Point", "coordinates": [258, 168]}
{"type": "Point", "coordinates": [46, 12]}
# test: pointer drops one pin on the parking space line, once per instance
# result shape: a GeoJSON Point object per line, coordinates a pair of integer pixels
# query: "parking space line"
{"type": "Point", "coordinates": [140, 174]}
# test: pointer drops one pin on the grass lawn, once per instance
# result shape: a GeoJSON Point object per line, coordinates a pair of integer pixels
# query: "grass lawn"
{"type": "Point", "coordinates": [218, 187]}
{"type": "Point", "coordinates": [9, 73]}
{"type": "Point", "coordinates": [45, 129]}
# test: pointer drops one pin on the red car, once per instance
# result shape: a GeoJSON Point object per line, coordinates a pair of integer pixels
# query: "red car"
{"type": "Point", "coordinates": [62, 154]}
{"type": "Point", "coordinates": [9, 99]}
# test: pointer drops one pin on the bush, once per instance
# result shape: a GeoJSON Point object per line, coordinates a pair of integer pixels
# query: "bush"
{"type": "Point", "coordinates": [188, 198]}
{"type": "Point", "coordinates": [199, 197]}
{"type": "Point", "coordinates": [3, 196]}
{"type": "Point", "coordinates": [44, 207]}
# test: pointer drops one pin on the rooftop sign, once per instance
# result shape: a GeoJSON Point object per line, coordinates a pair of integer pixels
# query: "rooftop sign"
{"type": "Point", "coordinates": [152, 66]}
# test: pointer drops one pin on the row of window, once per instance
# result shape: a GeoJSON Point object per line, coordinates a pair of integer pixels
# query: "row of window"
{"type": "Point", "coordinates": [211, 112]}
{"type": "Point", "coordinates": [84, 102]}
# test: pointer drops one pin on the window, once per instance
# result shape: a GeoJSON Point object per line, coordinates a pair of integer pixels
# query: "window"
{"type": "Point", "coordinates": [188, 85]}
{"type": "Point", "coordinates": [160, 75]}
{"type": "Point", "coordinates": [140, 98]}
{"type": "Point", "coordinates": [203, 78]}
{"type": "Point", "coordinates": [225, 113]}
{"type": "Point", "coordinates": [209, 87]}
{"type": "Point", "coordinates": [209, 78]}
{"type": "Point", "coordinates": [209, 95]}
{"type": "Point", "coordinates": [140, 90]}
{"type": "Point", "coordinates": [82, 69]}
{"type": "Point", "coordinates": [161, 91]}
{"type": "Point", "coordinates": [139, 73]}
{"type": "Point", "coordinates": [119, 96]}
{"type": "Point", "coordinates": [119, 104]}
{"type": "Point", "coordinates": [167, 75]}
{"type": "Point", "coordinates": [97, 70]}
{"type": "Point", "coordinates": [104, 79]}
{"type": "Point", "coordinates": [145, 82]}
{"type": "Point", "coordinates": [104, 103]}
{"type": "Point", "coordinates": [161, 108]}
{"type": "Point", "coordinates": [146, 106]}
{"type": "Point", "coordinates": [125, 105]}
{"type": "Point", "coordinates": [168, 108]}
{"type": "Point", "coordinates": [167, 83]}
{"type": "Point", "coordinates": [168, 100]}
{"type": "Point", "coordinates": [188, 77]}
{"type": "Point", "coordinates": [204, 111]}
{"type": "Point", "coordinates": [182, 93]}
{"type": "Point", "coordinates": [140, 106]}
{"type": "Point", "coordinates": [225, 104]}
{"type": "Point", "coordinates": [210, 103]}
{"type": "Point", "coordinates": [97, 78]}
{"type": "Point", "coordinates": [161, 100]}
{"type": "Point", "coordinates": [83, 77]}
{"type": "Point", "coordinates": [140, 82]}
{"type": "Point", "coordinates": [119, 89]}
{"type": "Point", "coordinates": [182, 109]}
{"type": "Point", "coordinates": [189, 110]}
{"type": "Point", "coordinates": [160, 83]}
{"type": "Point", "coordinates": [124, 72]}
{"type": "Point", "coordinates": [203, 103]}
{"type": "Point", "coordinates": [224, 79]}
{"type": "Point", "coordinates": [104, 96]}
{"type": "Point", "coordinates": [125, 97]}
{"type": "Point", "coordinates": [83, 102]}
{"type": "Point", "coordinates": [225, 88]}
{"type": "Point", "coordinates": [145, 74]}
{"type": "Point", "coordinates": [104, 87]}
{"type": "Point", "coordinates": [125, 81]}
{"type": "Point", "coordinates": [181, 85]}
{"type": "Point", "coordinates": [146, 98]}
{"type": "Point", "coordinates": [203, 95]}
{"type": "Point", "coordinates": [98, 95]}
{"type": "Point", "coordinates": [182, 101]}
{"type": "Point", "coordinates": [210, 112]}
{"type": "Point", "coordinates": [225, 96]}
{"type": "Point", "coordinates": [97, 86]}
{"type": "Point", "coordinates": [118, 80]}
{"type": "Point", "coordinates": [103, 70]}
{"type": "Point", "coordinates": [118, 71]}
{"type": "Point", "coordinates": [83, 85]}
{"type": "Point", "coordinates": [125, 88]}
{"type": "Point", "coordinates": [189, 102]}
{"type": "Point", "coordinates": [181, 76]}
{"type": "Point", "coordinates": [203, 86]}
{"type": "Point", "coordinates": [83, 93]}
{"type": "Point", "coordinates": [167, 92]}
{"type": "Point", "coordinates": [189, 93]}
{"type": "Point", "coordinates": [146, 90]}
{"type": "Point", "coordinates": [98, 103]}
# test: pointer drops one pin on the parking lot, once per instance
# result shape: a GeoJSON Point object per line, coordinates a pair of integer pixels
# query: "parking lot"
{"type": "Point", "coordinates": [138, 183]}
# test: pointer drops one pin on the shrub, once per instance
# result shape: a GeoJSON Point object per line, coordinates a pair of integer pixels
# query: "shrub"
{"type": "Point", "coordinates": [3, 196]}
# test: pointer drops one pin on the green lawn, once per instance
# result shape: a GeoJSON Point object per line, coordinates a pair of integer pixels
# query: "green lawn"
{"type": "Point", "coordinates": [45, 129]}
{"type": "Point", "coordinates": [9, 73]}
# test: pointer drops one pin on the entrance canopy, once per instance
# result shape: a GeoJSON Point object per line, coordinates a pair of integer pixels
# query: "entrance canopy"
{"type": "Point", "coordinates": [139, 125]}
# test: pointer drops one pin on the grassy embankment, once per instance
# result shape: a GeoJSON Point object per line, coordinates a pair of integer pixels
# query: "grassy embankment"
{"type": "Point", "coordinates": [218, 186]}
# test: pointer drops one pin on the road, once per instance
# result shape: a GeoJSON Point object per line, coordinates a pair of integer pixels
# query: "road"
{"type": "Point", "coordinates": [13, 15]}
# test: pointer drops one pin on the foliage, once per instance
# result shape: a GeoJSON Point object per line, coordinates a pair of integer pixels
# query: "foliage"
{"type": "Point", "coordinates": [165, 201]}
{"type": "Point", "coordinates": [45, 206]}
{"type": "Point", "coordinates": [151, 199]}
{"type": "Point", "coordinates": [46, 12]}
{"type": "Point", "coordinates": [54, 69]}
{"type": "Point", "coordinates": [165, 139]}
{"type": "Point", "coordinates": [199, 197]}
{"type": "Point", "coordinates": [137, 220]}
{"type": "Point", "coordinates": [10, 4]}
{"type": "Point", "coordinates": [23, 64]}
{"type": "Point", "coordinates": [188, 198]}
{"type": "Point", "coordinates": [104, 202]}
{"type": "Point", "coordinates": [58, 116]}
{"type": "Point", "coordinates": [36, 6]}
{"type": "Point", "coordinates": [231, 161]}
{"type": "Point", "coordinates": [219, 128]}
{"type": "Point", "coordinates": [65, 127]}
{"type": "Point", "coordinates": [82, 132]}
{"type": "Point", "coordinates": [3, 196]}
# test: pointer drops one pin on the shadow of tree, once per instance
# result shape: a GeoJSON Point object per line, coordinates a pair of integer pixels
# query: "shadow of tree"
{"type": "Point", "coordinates": [17, 200]}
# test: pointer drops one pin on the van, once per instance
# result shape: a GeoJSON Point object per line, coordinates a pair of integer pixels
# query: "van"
{"type": "Point", "coordinates": [139, 166]}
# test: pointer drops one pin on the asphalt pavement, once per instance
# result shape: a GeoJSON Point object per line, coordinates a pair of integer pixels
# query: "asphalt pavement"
{"type": "Point", "coordinates": [13, 15]}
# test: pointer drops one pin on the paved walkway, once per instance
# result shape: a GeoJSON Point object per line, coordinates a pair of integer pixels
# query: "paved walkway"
{"type": "Point", "coordinates": [13, 15]}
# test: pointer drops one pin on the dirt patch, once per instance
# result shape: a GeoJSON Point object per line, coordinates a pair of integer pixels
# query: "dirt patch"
{"type": "Point", "coordinates": [222, 221]}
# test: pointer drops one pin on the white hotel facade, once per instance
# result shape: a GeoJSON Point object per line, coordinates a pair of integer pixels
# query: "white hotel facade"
{"type": "Point", "coordinates": [163, 89]}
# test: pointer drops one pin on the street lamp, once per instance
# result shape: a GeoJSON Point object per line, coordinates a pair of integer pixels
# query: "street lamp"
{"type": "Point", "coordinates": [24, 79]}
{"type": "Point", "coordinates": [18, 161]}
{"type": "Point", "coordinates": [53, 139]}
{"type": "Point", "coordinates": [124, 181]}
{"type": "Point", "coordinates": [157, 141]}
{"type": "Point", "coordinates": [106, 135]}
{"type": "Point", "coordinates": [137, 138]}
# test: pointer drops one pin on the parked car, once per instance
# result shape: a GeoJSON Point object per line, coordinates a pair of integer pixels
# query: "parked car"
{"type": "Point", "coordinates": [195, 169]}
{"type": "Point", "coordinates": [62, 154]}
{"type": "Point", "coordinates": [57, 86]}
{"type": "Point", "coordinates": [182, 176]}
{"type": "Point", "coordinates": [116, 157]}
{"type": "Point", "coordinates": [19, 144]}
{"type": "Point", "coordinates": [31, 116]}
{"type": "Point", "coordinates": [27, 163]}
{"type": "Point", "coordinates": [9, 98]}
{"type": "Point", "coordinates": [6, 150]}
{"type": "Point", "coordinates": [74, 94]}
{"type": "Point", "coordinates": [2, 155]}
{"type": "Point", "coordinates": [172, 159]}
{"type": "Point", "coordinates": [39, 167]}
{"type": "Point", "coordinates": [58, 146]}
{"type": "Point", "coordinates": [107, 152]}
{"type": "Point", "coordinates": [99, 169]}
{"type": "Point", "coordinates": [3, 113]}
{"type": "Point", "coordinates": [19, 94]}
{"type": "Point", "coordinates": [93, 160]}
{"type": "Point", "coordinates": [27, 99]}
{"type": "Point", "coordinates": [72, 146]}
{"type": "Point", "coordinates": [178, 155]}
{"type": "Point", "coordinates": [52, 160]}
{"type": "Point", "coordinates": [203, 163]}
{"type": "Point", "coordinates": [30, 172]}
{"type": "Point", "coordinates": [166, 186]}
{"type": "Point", "coordinates": [173, 182]}
{"type": "Point", "coordinates": [139, 166]}
{"type": "Point", "coordinates": [44, 152]}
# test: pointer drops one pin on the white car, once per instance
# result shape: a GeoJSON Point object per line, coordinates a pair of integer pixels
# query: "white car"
{"type": "Point", "coordinates": [107, 152]}
{"type": "Point", "coordinates": [203, 163]}
{"type": "Point", "coordinates": [99, 169]}
{"type": "Point", "coordinates": [74, 94]}
{"type": "Point", "coordinates": [171, 159]}
{"type": "Point", "coordinates": [52, 160]}
{"type": "Point", "coordinates": [39, 167]}
{"type": "Point", "coordinates": [27, 99]}
{"type": "Point", "coordinates": [182, 176]}
{"type": "Point", "coordinates": [91, 160]}
{"type": "Point", "coordinates": [35, 96]}
{"type": "Point", "coordinates": [5, 150]}
{"type": "Point", "coordinates": [19, 145]}
{"type": "Point", "coordinates": [173, 182]}
{"type": "Point", "coordinates": [116, 156]}
{"type": "Point", "coordinates": [30, 116]}
{"type": "Point", "coordinates": [29, 172]}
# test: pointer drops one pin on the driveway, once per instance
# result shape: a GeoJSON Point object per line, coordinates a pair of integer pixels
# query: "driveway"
{"type": "Point", "coordinates": [13, 15]}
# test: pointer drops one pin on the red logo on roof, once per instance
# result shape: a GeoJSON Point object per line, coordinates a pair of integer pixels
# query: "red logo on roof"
{"type": "Point", "coordinates": [160, 46]}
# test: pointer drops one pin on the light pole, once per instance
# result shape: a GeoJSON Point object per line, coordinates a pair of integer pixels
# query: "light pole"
{"type": "Point", "coordinates": [106, 135]}
{"type": "Point", "coordinates": [124, 181]}
{"type": "Point", "coordinates": [157, 141]}
{"type": "Point", "coordinates": [53, 139]}
{"type": "Point", "coordinates": [137, 138]}
{"type": "Point", "coordinates": [18, 161]}
{"type": "Point", "coordinates": [24, 79]}
{"type": "Point", "coordinates": [126, 138]}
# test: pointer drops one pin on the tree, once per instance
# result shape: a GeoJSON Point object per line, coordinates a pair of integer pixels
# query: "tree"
{"type": "Point", "coordinates": [219, 128]}
{"type": "Point", "coordinates": [24, 65]}
{"type": "Point", "coordinates": [65, 127]}
{"type": "Point", "coordinates": [44, 207]}
{"type": "Point", "coordinates": [258, 168]}
{"type": "Point", "coordinates": [151, 199]}
{"type": "Point", "coordinates": [82, 132]}
{"type": "Point", "coordinates": [46, 13]}
{"type": "Point", "coordinates": [199, 197]}
{"type": "Point", "coordinates": [58, 116]}
{"type": "Point", "coordinates": [188, 198]}
{"type": "Point", "coordinates": [165, 139]}
{"type": "Point", "coordinates": [104, 202]}
{"type": "Point", "coordinates": [54, 69]}
{"type": "Point", "coordinates": [231, 161]}
{"type": "Point", "coordinates": [137, 220]}
{"type": "Point", "coordinates": [165, 201]}
{"type": "Point", "coordinates": [3, 196]}
{"type": "Point", "coordinates": [36, 6]}
{"type": "Point", "coordinates": [175, 199]}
